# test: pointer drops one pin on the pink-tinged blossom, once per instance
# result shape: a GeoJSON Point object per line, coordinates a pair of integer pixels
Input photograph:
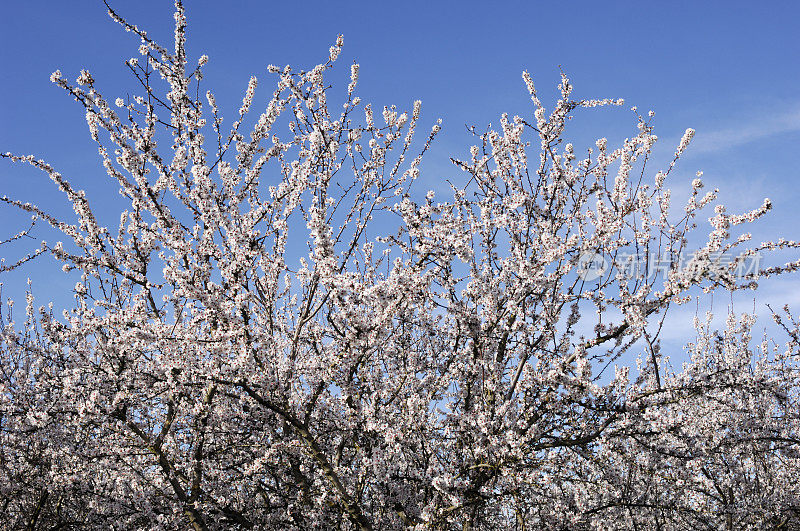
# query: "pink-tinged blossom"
{"type": "Point", "coordinates": [280, 331]}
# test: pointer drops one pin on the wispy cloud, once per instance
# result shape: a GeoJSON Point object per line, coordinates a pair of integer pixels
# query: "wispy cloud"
{"type": "Point", "coordinates": [757, 128]}
{"type": "Point", "coordinates": [678, 326]}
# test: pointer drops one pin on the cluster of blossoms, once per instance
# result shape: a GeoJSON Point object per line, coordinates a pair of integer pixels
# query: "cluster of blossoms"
{"type": "Point", "coordinates": [448, 374]}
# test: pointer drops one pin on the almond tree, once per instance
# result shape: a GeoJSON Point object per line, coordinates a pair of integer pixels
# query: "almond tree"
{"type": "Point", "coordinates": [714, 448]}
{"type": "Point", "coordinates": [448, 372]}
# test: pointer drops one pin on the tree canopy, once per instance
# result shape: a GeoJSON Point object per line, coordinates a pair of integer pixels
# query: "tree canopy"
{"type": "Point", "coordinates": [421, 362]}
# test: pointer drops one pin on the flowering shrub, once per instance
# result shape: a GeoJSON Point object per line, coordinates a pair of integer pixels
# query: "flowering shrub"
{"type": "Point", "coordinates": [444, 373]}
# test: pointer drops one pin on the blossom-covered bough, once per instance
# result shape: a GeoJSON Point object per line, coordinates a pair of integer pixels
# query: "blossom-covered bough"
{"type": "Point", "coordinates": [420, 364]}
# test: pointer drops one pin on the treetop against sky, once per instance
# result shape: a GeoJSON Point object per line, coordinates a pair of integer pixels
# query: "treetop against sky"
{"type": "Point", "coordinates": [725, 69]}
{"type": "Point", "coordinates": [306, 307]}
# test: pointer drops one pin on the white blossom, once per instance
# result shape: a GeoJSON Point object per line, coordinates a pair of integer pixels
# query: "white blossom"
{"type": "Point", "coordinates": [282, 331]}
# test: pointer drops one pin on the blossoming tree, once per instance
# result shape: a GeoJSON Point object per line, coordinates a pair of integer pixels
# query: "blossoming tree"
{"type": "Point", "coordinates": [444, 373]}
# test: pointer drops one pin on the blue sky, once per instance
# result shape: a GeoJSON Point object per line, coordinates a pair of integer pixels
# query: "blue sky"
{"type": "Point", "coordinates": [731, 70]}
